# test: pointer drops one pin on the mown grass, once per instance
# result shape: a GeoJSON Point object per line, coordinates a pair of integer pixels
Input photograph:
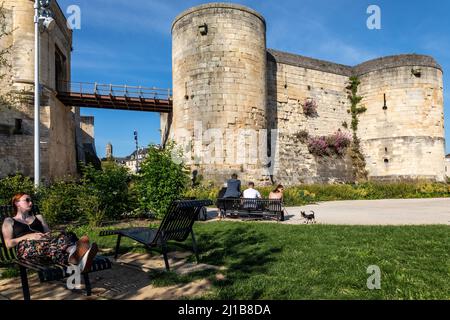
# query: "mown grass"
{"type": "Point", "coordinates": [275, 261]}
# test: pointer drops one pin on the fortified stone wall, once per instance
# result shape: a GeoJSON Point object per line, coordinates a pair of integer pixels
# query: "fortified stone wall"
{"type": "Point", "coordinates": [447, 166]}
{"type": "Point", "coordinates": [58, 122]}
{"type": "Point", "coordinates": [87, 127]}
{"type": "Point", "coordinates": [225, 79]}
{"type": "Point", "coordinates": [291, 81]}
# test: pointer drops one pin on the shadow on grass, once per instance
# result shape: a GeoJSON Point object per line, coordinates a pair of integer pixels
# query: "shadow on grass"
{"type": "Point", "coordinates": [8, 270]}
{"type": "Point", "coordinates": [241, 251]}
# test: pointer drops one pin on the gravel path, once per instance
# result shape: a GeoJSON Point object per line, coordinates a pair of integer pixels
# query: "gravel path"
{"type": "Point", "coordinates": [373, 212]}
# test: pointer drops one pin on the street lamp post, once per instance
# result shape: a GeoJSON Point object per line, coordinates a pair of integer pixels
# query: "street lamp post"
{"type": "Point", "coordinates": [137, 150]}
{"type": "Point", "coordinates": [41, 12]}
{"type": "Point", "coordinates": [37, 173]}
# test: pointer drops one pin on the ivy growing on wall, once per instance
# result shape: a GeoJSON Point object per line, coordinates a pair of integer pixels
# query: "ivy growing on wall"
{"type": "Point", "coordinates": [358, 161]}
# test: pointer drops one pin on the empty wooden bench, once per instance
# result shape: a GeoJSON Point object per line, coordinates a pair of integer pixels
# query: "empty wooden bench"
{"type": "Point", "coordinates": [46, 271]}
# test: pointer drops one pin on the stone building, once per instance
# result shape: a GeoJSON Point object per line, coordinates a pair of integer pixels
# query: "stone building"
{"type": "Point", "coordinates": [238, 106]}
{"type": "Point", "coordinates": [109, 151]}
{"type": "Point", "coordinates": [133, 161]}
{"type": "Point", "coordinates": [61, 136]}
{"type": "Point", "coordinates": [447, 166]}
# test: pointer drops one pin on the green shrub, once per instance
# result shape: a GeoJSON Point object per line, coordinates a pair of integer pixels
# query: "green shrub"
{"type": "Point", "coordinates": [304, 194]}
{"type": "Point", "coordinates": [90, 205]}
{"type": "Point", "coordinates": [161, 180]}
{"type": "Point", "coordinates": [205, 190]}
{"type": "Point", "coordinates": [111, 184]}
{"type": "Point", "coordinates": [12, 185]}
{"type": "Point", "coordinates": [59, 203]}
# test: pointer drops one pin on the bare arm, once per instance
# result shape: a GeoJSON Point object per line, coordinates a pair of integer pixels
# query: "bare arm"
{"type": "Point", "coordinates": [10, 242]}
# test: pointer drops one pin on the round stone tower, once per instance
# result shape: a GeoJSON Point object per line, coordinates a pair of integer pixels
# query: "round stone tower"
{"type": "Point", "coordinates": [219, 89]}
{"type": "Point", "coordinates": [402, 131]}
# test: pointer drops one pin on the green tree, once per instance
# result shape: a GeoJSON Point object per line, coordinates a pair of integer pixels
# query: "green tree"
{"type": "Point", "coordinates": [162, 179]}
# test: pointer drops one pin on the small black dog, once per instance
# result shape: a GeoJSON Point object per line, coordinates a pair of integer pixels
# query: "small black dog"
{"type": "Point", "coordinates": [309, 218]}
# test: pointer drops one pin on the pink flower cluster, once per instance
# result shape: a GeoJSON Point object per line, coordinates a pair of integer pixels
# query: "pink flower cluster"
{"type": "Point", "coordinates": [310, 108]}
{"type": "Point", "coordinates": [335, 144]}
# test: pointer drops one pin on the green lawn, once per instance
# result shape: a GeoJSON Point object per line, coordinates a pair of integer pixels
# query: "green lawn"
{"type": "Point", "coordinates": [275, 261]}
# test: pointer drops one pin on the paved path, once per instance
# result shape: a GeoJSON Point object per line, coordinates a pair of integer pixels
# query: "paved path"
{"type": "Point", "coordinates": [374, 212]}
{"type": "Point", "coordinates": [127, 280]}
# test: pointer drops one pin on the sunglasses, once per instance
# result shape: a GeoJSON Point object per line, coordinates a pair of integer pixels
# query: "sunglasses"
{"type": "Point", "coordinates": [26, 200]}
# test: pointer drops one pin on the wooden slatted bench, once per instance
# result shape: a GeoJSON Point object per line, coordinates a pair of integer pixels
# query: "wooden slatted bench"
{"type": "Point", "coordinates": [256, 209]}
{"type": "Point", "coordinates": [176, 226]}
{"type": "Point", "coordinates": [46, 271]}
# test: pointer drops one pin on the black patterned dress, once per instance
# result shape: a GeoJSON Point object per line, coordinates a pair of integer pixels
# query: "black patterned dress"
{"type": "Point", "coordinates": [53, 249]}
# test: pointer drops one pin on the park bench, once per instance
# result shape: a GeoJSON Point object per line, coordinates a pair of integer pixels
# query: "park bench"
{"type": "Point", "coordinates": [255, 209]}
{"type": "Point", "coordinates": [176, 227]}
{"type": "Point", "coordinates": [47, 271]}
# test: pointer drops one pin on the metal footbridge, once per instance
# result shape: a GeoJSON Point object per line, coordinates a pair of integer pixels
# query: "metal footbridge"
{"type": "Point", "coordinates": [117, 97]}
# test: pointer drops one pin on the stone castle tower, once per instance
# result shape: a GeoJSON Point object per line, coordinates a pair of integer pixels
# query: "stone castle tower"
{"type": "Point", "coordinates": [237, 106]}
{"type": "Point", "coordinates": [109, 151]}
{"type": "Point", "coordinates": [61, 141]}
{"type": "Point", "coordinates": [219, 83]}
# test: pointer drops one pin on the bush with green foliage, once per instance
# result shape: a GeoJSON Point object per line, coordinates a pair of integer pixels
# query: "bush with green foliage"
{"type": "Point", "coordinates": [91, 207]}
{"type": "Point", "coordinates": [162, 179]}
{"type": "Point", "coordinates": [204, 190]}
{"type": "Point", "coordinates": [12, 185]}
{"type": "Point", "coordinates": [304, 194]}
{"type": "Point", "coordinates": [59, 202]}
{"type": "Point", "coordinates": [111, 187]}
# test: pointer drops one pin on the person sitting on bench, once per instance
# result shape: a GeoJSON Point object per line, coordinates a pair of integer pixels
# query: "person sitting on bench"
{"type": "Point", "coordinates": [31, 234]}
{"type": "Point", "coordinates": [277, 193]}
{"type": "Point", "coordinates": [233, 187]}
{"type": "Point", "coordinates": [250, 193]}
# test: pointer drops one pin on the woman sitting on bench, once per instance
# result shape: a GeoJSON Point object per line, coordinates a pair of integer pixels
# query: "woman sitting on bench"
{"type": "Point", "coordinates": [31, 234]}
{"type": "Point", "coordinates": [277, 193]}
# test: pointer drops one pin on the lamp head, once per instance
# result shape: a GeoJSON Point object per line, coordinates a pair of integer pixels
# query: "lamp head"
{"type": "Point", "coordinates": [49, 23]}
{"type": "Point", "coordinates": [45, 4]}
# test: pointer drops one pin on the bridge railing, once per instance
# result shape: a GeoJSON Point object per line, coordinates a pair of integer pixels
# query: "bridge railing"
{"type": "Point", "coordinates": [94, 88]}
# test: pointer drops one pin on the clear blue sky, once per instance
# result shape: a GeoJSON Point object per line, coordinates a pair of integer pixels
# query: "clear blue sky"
{"type": "Point", "coordinates": [129, 42]}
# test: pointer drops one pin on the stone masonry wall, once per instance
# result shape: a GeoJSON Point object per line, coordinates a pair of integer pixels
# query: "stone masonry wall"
{"type": "Point", "coordinates": [62, 148]}
{"type": "Point", "coordinates": [219, 83]}
{"type": "Point", "coordinates": [87, 127]}
{"type": "Point", "coordinates": [406, 138]}
{"type": "Point", "coordinates": [225, 79]}
{"type": "Point", "coordinates": [290, 85]}
{"type": "Point", "coordinates": [58, 123]}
